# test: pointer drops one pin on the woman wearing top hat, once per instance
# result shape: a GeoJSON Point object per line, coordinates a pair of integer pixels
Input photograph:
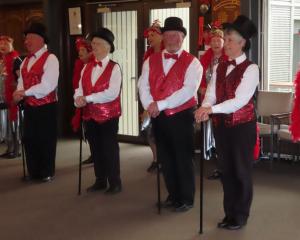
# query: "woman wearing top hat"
{"type": "Point", "coordinates": [168, 91]}
{"type": "Point", "coordinates": [37, 86]}
{"type": "Point", "coordinates": [229, 99]}
{"type": "Point", "coordinates": [98, 94]}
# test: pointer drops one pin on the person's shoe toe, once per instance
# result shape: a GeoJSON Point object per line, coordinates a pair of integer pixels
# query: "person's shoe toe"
{"type": "Point", "coordinates": [48, 179]}
{"type": "Point", "coordinates": [183, 207]}
{"type": "Point", "coordinates": [97, 187]}
{"type": "Point", "coordinates": [114, 190]}
{"type": "Point", "coordinates": [233, 225]}
{"type": "Point", "coordinates": [224, 222]}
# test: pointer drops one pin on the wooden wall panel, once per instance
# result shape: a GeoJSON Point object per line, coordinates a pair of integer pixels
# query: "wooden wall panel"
{"type": "Point", "coordinates": [14, 19]}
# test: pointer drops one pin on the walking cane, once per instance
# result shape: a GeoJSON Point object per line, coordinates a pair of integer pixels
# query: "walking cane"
{"type": "Point", "coordinates": [20, 106]}
{"type": "Point", "coordinates": [158, 187]}
{"type": "Point", "coordinates": [201, 176]}
{"type": "Point", "coordinates": [80, 153]}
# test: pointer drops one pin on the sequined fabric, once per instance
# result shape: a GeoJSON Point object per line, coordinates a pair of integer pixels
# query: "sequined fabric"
{"type": "Point", "coordinates": [100, 112]}
{"type": "Point", "coordinates": [225, 89]}
{"type": "Point", "coordinates": [33, 77]}
{"type": "Point", "coordinates": [162, 86]}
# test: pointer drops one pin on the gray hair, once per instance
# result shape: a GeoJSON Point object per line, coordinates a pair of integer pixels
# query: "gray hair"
{"type": "Point", "coordinates": [237, 36]}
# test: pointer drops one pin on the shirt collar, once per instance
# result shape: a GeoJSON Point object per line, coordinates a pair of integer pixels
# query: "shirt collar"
{"type": "Point", "coordinates": [240, 59]}
{"type": "Point", "coordinates": [40, 52]}
{"type": "Point", "coordinates": [104, 61]}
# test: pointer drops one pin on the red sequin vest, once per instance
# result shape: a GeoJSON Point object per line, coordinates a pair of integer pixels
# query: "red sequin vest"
{"type": "Point", "coordinates": [162, 86]}
{"type": "Point", "coordinates": [99, 112]}
{"type": "Point", "coordinates": [33, 77]}
{"type": "Point", "coordinates": [225, 90]}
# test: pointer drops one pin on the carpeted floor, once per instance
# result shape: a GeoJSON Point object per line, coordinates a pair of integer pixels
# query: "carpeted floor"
{"type": "Point", "coordinates": [42, 211]}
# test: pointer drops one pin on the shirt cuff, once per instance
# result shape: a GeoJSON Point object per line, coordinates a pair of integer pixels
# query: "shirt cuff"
{"type": "Point", "coordinates": [216, 109]}
{"type": "Point", "coordinates": [162, 105]}
{"type": "Point", "coordinates": [89, 98]}
{"type": "Point", "coordinates": [28, 93]}
{"type": "Point", "coordinates": [205, 105]}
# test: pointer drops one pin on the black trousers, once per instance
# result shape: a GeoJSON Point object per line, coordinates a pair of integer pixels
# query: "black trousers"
{"type": "Point", "coordinates": [235, 147]}
{"type": "Point", "coordinates": [174, 137]}
{"type": "Point", "coordinates": [105, 150]}
{"type": "Point", "coordinates": [40, 138]}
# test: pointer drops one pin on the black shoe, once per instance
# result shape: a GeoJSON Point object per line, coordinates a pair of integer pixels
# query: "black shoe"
{"type": "Point", "coordinates": [114, 189]}
{"type": "Point", "coordinates": [97, 186]}
{"type": "Point", "coordinates": [168, 203]}
{"type": "Point", "coordinates": [183, 207]}
{"type": "Point", "coordinates": [224, 222]}
{"type": "Point", "coordinates": [29, 178]}
{"type": "Point", "coordinates": [88, 161]}
{"type": "Point", "coordinates": [48, 179]}
{"type": "Point", "coordinates": [234, 225]}
{"type": "Point", "coordinates": [215, 175]}
{"type": "Point", "coordinates": [12, 155]}
{"type": "Point", "coordinates": [5, 155]}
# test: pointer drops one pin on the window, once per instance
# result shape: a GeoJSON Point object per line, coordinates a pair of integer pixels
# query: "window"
{"type": "Point", "coordinates": [281, 25]}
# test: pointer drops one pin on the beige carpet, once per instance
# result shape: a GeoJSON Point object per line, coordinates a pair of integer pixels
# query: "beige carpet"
{"type": "Point", "coordinates": [36, 211]}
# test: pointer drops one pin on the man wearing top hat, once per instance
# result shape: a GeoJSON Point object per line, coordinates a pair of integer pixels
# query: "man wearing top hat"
{"type": "Point", "coordinates": [37, 86]}
{"type": "Point", "coordinates": [168, 91]}
{"type": "Point", "coordinates": [229, 99]}
{"type": "Point", "coordinates": [98, 95]}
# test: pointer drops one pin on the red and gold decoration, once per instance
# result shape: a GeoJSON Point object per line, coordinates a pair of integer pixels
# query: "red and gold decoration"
{"type": "Point", "coordinates": [155, 27]}
{"type": "Point", "coordinates": [225, 10]}
{"type": "Point", "coordinates": [201, 31]}
{"type": "Point", "coordinates": [213, 30]}
{"type": "Point", "coordinates": [81, 42]}
{"type": "Point", "coordinates": [295, 117]}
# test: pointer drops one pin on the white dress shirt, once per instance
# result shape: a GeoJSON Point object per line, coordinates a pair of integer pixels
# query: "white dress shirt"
{"type": "Point", "coordinates": [191, 84]}
{"type": "Point", "coordinates": [49, 78]}
{"type": "Point", "coordinates": [243, 93]}
{"type": "Point", "coordinates": [109, 94]}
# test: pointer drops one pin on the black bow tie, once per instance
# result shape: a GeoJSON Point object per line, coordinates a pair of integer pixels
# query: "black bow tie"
{"type": "Point", "coordinates": [232, 62]}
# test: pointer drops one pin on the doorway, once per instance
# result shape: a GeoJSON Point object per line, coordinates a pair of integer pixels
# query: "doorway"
{"type": "Point", "coordinates": [127, 21]}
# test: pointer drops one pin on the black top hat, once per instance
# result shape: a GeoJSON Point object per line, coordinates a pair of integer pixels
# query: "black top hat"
{"type": "Point", "coordinates": [39, 29]}
{"type": "Point", "coordinates": [245, 27]}
{"type": "Point", "coordinates": [107, 35]}
{"type": "Point", "coordinates": [173, 24]}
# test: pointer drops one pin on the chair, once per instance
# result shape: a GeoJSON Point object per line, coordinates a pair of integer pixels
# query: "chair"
{"type": "Point", "coordinates": [284, 135]}
{"type": "Point", "coordinates": [268, 105]}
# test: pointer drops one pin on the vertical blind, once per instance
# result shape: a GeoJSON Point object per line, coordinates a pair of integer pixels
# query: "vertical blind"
{"type": "Point", "coordinates": [183, 13]}
{"type": "Point", "coordinates": [124, 26]}
{"type": "Point", "coordinates": [282, 42]}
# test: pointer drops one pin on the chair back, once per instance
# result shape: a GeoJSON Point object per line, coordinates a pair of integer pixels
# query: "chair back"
{"type": "Point", "coordinates": [269, 103]}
